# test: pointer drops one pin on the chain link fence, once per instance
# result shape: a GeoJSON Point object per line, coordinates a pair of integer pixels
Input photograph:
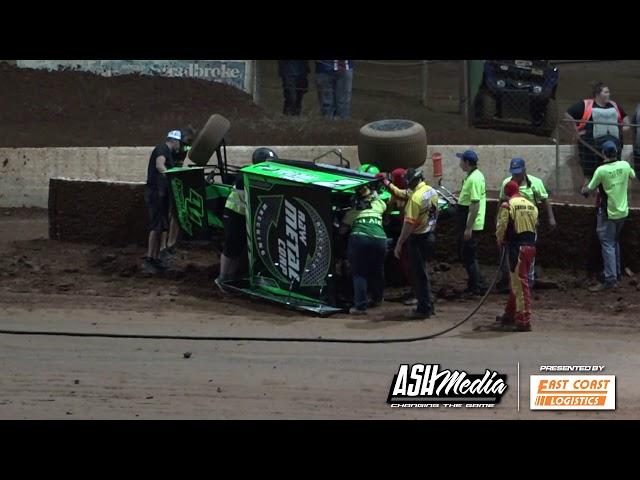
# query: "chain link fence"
{"type": "Point", "coordinates": [428, 92]}
{"type": "Point", "coordinates": [519, 105]}
{"type": "Point", "coordinates": [505, 102]}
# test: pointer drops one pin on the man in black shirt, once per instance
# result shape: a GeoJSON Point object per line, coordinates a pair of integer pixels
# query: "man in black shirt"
{"type": "Point", "coordinates": [604, 112]}
{"type": "Point", "coordinates": [156, 195]}
{"type": "Point", "coordinates": [168, 242]}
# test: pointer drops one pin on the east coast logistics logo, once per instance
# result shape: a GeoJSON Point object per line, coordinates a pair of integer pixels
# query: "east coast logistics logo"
{"type": "Point", "coordinates": [573, 391]}
{"type": "Point", "coordinates": [426, 385]}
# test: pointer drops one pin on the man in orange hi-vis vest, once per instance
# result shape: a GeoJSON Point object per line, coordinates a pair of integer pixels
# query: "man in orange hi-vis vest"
{"type": "Point", "coordinates": [516, 230]}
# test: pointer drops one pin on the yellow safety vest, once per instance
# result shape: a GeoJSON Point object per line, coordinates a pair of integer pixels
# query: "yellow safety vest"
{"type": "Point", "coordinates": [236, 202]}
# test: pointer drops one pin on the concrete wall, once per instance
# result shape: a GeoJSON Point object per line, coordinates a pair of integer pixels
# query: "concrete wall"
{"type": "Point", "coordinates": [25, 172]}
{"type": "Point", "coordinates": [74, 206]}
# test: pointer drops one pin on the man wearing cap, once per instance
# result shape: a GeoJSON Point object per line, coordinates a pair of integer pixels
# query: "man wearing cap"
{"type": "Point", "coordinates": [612, 180]}
{"type": "Point", "coordinates": [420, 217]}
{"type": "Point", "coordinates": [516, 229]}
{"type": "Point", "coordinates": [169, 241]}
{"type": "Point", "coordinates": [533, 189]}
{"type": "Point", "coordinates": [472, 204]}
{"type": "Point", "coordinates": [156, 195]}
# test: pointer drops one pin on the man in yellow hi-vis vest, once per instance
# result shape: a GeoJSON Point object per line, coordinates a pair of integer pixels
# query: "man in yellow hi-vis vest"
{"type": "Point", "coordinates": [235, 232]}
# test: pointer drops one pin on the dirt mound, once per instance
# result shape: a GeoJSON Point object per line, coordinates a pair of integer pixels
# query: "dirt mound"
{"type": "Point", "coordinates": [70, 108]}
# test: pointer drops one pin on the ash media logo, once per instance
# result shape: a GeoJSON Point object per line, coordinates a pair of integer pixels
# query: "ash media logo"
{"type": "Point", "coordinates": [427, 386]}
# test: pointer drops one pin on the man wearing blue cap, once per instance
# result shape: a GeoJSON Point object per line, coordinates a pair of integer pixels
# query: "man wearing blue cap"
{"type": "Point", "coordinates": [472, 204]}
{"type": "Point", "coordinates": [612, 180]}
{"type": "Point", "coordinates": [533, 189]}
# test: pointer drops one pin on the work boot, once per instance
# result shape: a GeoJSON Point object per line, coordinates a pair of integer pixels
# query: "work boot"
{"type": "Point", "coordinates": [167, 253]}
{"type": "Point", "coordinates": [166, 259]}
{"type": "Point", "coordinates": [522, 327]}
{"type": "Point", "coordinates": [476, 291]}
{"type": "Point", "coordinates": [522, 323]}
{"type": "Point", "coordinates": [375, 303]}
{"type": "Point", "coordinates": [408, 294]}
{"type": "Point", "coordinates": [159, 264]}
{"type": "Point", "coordinates": [505, 319]}
{"type": "Point", "coordinates": [603, 286]}
{"type": "Point", "coordinates": [414, 314]}
{"type": "Point", "coordinates": [148, 266]}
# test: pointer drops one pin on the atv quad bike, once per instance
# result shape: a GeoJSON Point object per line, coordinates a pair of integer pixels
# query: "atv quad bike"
{"type": "Point", "coordinates": [517, 94]}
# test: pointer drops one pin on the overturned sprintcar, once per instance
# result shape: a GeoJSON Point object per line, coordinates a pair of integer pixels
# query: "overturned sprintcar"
{"type": "Point", "coordinates": [296, 256]}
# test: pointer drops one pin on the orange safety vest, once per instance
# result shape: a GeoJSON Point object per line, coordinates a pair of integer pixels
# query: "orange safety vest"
{"type": "Point", "coordinates": [588, 108]}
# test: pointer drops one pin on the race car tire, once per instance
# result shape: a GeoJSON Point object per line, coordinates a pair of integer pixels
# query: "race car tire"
{"type": "Point", "coordinates": [209, 139]}
{"type": "Point", "coordinates": [390, 144]}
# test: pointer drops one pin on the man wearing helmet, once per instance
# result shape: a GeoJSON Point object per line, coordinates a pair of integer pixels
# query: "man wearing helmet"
{"type": "Point", "coordinates": [369, 168]}
{"type": "Point", "coordinates": [234, 255]}
{"type": "Point", "coordinates": [263, 154]}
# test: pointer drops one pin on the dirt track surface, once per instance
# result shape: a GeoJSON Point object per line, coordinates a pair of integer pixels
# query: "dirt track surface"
{"type": "Point", "coordinates": [46, 285]}
{"type": "Point", "coordinates": [68, 109]}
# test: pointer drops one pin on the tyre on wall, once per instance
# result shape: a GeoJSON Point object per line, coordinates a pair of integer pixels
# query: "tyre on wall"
{"type": "Point", "coordinates": [394, 143]}
{"type": "Point", "coordinates": [484, 108]}
{"type": "Point", "coordinates": [209, 139]}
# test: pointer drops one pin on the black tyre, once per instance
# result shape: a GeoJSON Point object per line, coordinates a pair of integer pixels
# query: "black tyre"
{"type": "Point", "coordinates": [484, 108]}
{"type": "Point", "coordinates": [209, 139]}
{"type": "Point", "coordinates": [390, 144]}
